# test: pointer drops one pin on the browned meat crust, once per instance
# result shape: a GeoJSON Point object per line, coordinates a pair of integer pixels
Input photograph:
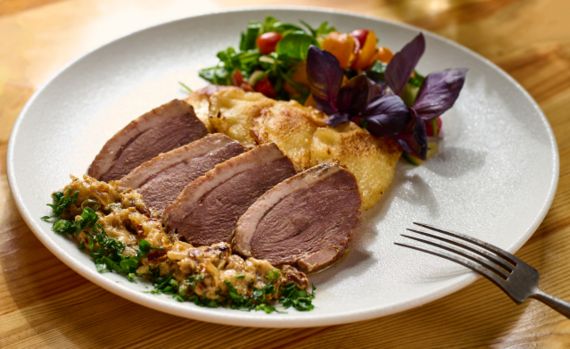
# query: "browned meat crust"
{"type": "Point", "coordinates": [165, 128]}
{"type": "Point", "coordinates": [208, 208]}
{"type": "Point", "coordinates": [163, 178]}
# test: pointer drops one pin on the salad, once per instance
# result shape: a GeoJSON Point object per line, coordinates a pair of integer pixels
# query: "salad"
{"type": "Point", "coordinates": [348, 76]}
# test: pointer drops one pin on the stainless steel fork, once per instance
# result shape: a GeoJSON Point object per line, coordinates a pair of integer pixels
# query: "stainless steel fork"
{"type": "Point", "coordinates": [516, 278]}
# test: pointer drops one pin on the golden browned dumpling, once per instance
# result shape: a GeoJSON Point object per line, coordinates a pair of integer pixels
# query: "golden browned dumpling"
{"type": "Point", "coordinates": [371, 160]}
{"type": "Point", "coordinates": [290, 126]}
{"type": "Point", "coordinates": [232, 112]}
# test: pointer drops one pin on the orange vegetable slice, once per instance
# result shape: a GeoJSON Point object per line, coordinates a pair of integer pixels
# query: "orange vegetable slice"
{"type": "Point", "coordinates": [366, 54]}
{"type": "Point", "coordinates": [384, 54]}
{"type": "Point", "coordinates": [341, 46]}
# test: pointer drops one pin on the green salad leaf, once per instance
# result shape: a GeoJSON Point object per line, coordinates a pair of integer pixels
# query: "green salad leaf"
{"type": "Point", "coordinates": [322, 30]}
{"type": "Point", "coordinates": [296, 45]}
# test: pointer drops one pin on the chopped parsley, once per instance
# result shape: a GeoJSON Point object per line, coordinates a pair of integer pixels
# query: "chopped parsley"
{"type": "Point", "coordinates": [60, 202]}
{"type": "Point", "coordinates": [273, 275]}
{"type": "Point", "coordinates": [107, 254]}
{"type": "Point", "coordinates": [145, 247]}
{"type": "Point", "coordinates": [298, 299]}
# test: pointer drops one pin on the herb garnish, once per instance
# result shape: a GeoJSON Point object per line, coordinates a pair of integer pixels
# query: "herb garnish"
{"type": "Point", "coordinates": [298, 299]}
{"type": "Point", "coordinates": [145, 247]}
{"type": "Point", "coordinates": [107, 255]}
{"type": "Point", "coordinates": [381, 96]}
{"type": "Point", "coordinates": [60, 202]}
{"type": "Point", "coordinates": [188, 89]}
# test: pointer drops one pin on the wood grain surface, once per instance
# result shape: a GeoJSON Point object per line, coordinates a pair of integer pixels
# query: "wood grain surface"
{"type": "Point", "coordinates": [43, 303]}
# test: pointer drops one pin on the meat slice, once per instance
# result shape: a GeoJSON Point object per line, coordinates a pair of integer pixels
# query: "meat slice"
{"type": "Point", "coordinates": [167, 127]}
{"type": "Point", "coordinates": [305, 221]}
{"type": "Point", "coordinates": [207, 210]}
{"type": "Point", "coordinates": [163, 178]}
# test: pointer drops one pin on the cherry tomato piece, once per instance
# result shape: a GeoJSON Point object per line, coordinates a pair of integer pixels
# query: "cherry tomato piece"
{"type": "Point", "coordinates": [237, 78]}
{"type": "Point", "coordinates": [384, 54]}
{"type": "Point", "coordinates": [360, 35]}
{"type": "Point", "coordinates": [267, 42]}
{"type": "Point", "coordinates": [264, 86]}
{"type": "Point", "coordinates": [429, 127]}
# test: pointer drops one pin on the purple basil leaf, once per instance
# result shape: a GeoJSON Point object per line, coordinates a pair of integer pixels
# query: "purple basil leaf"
{"type": "Point", "coordinates": [414, 142]}
{"type": "Point", "coordinates": [353, 97]}
{"type": "Point", "coordinates": [438, 92]}
{"type": "Point", "coordinates": [324, 106]}
{"type": "Point", "coordinates": [337, 119]}
{"type": "Point", "coordinates": [324, 74]}
{"type": "Point", "coordinates": [386, 116]}
{"type": "Point", "coordinates": [403, 63]}
{"type": "Point", "coordinates": [375, 89]}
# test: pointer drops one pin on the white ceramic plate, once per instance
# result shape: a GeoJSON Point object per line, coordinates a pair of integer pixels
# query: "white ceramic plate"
{"type": "Point", "coordinates": [494, 178]}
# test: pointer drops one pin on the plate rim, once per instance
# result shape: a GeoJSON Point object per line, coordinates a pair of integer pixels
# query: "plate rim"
{"type": "Point", "coordinates": [236, 319]}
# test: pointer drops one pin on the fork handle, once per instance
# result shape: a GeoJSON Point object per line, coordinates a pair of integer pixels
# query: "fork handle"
{"type": "Point", "coordinates": [557, 304]}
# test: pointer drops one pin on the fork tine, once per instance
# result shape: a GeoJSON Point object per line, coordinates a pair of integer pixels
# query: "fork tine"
{"type": "Point", "coordinates": [473, 266]}
{"type": "Point", "coordinates": [506, 255]}
{"type": "Point", "coordinates": [481, 261]}
{"type": "Point", "coordinates": [507, 266]}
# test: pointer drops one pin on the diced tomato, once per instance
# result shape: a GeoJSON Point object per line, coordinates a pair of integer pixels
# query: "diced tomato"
{"type": "Point", "coordinates": [267, 42]}
{"type": "Point", "coordinates": [366, 54]}
{"type": "Point", "coordinates": [239, 81]}
{"type": "Point", "coordinates": [384, 54]}
{"type": "Point", "coordinates": [237, 78]}
{"type": "Point", "coordinates": [360, 35]}
{"type": "Point", "coordinates": [341, 46]}
{"type": "Point", "coordinates": [264, 86]}
{"type": "Point", "coordinates": [246, 87]}
{"type": "Point", "coordinates": [429, 127]}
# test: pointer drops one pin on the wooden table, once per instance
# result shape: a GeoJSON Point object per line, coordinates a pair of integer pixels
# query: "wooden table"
{"type": "Point", "coordinates": [43, 303]}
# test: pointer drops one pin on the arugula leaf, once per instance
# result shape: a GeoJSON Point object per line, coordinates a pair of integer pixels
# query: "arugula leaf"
{"type": "Point", "coordinates": [272, 24]}
{"type": "Point", "coordinates": [322, 30]}
{"type": "Point", "coordinates": [248, 39]}
{"type": "Point", "coordinates": [296, 45]}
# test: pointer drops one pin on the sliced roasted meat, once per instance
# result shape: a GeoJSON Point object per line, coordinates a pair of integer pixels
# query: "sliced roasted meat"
{"type": "Point", "coordinates": [207, 210]}
{"type": "Point", "coordinates": [167, 127]}
{"type": "Point", "coordinates": [306, 220]}
{"type": "Point", "coordinates": [163, 178]}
